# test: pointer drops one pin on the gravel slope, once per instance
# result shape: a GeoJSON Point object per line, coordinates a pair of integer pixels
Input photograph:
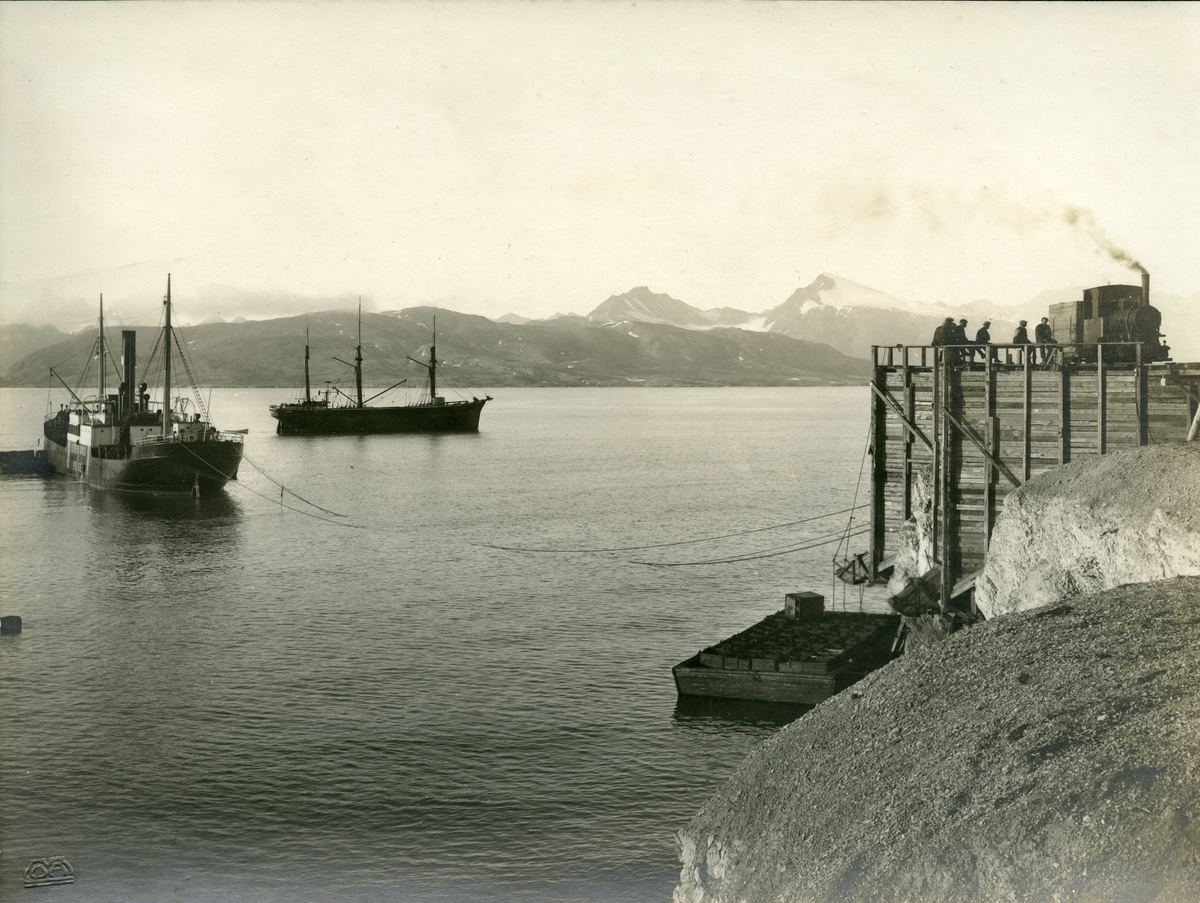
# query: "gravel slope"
{"type": "Point", "coordinates": [1050, 755]}
{"type": "Point", "coordinates": [1047, 755]}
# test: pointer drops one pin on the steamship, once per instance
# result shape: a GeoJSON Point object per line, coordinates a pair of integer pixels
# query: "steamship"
{"type": "Point", "coordinates": [335, 413]}
{"type": "Point", "coordinates": [124, 441]}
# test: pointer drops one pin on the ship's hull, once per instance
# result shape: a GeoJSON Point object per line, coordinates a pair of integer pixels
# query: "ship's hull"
{"type": "Point", "coordinates": [452, 417]}
{"type": "Point", "coordinates": [159, 467]}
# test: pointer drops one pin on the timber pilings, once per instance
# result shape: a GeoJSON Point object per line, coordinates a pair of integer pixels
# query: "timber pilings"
{"type": "Point", "coordinates": [972, 425]}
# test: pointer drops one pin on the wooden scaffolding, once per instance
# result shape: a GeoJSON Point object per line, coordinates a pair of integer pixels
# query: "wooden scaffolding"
{"type": "Point", "coordinates": [955, 429]}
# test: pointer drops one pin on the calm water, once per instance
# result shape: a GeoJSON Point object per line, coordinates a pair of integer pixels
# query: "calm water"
{"type": "Point", "coordinates": [230, 699]}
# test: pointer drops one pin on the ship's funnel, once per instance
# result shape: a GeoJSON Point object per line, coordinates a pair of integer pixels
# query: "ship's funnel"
{"type": "Point", "coordinates": [129, 354]}
{"type": "Point", "coordinates": [1145, 289]}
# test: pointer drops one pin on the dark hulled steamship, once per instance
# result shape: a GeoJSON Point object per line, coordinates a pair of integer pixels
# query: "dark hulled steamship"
{"type": "Point", "coordinates": [126, 442]}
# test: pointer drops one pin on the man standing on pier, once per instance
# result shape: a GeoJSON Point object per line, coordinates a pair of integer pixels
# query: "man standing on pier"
{"type": "Point", "coordinates": [1044, 337]}
{"type": "Point", "coordinates": [983, 338]}
{"type": "Point", "coordinates": [958, 336]}
{"type": "Point", "coordinates": [941, 335]}
{"type": "Point", "coordinates": [1021, 337]}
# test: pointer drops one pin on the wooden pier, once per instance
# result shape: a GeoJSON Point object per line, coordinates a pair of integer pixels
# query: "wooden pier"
{"type": "Point", "coordinates": [955, 429]}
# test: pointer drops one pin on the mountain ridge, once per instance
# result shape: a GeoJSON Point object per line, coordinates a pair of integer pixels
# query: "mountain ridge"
{"type": "Point", "coordinates": [852, 317]}
{"type": "Point", "coordinates": [475, 353]}
{"type": "Point", "coordinates": [831, 310]}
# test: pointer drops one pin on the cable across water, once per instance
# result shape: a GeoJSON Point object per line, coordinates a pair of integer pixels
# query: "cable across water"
{"type": "Point", "coordinates": [837, 537]}
{"type": "Point", "coordinates": [283, 489]}
{"type": "Point", "coordinates": [663, 545]}
{"type": "Point", "coordinates": [326, 520]}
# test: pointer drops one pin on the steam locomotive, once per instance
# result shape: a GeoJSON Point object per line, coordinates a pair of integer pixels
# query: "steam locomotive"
{"type": "Point", "coordinates": [1110, 314]}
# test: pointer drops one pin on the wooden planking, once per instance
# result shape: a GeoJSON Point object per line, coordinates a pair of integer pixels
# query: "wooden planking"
{"type": "Point", "coordinates": [1168, 411]}
{"type": "Point", "coordinates": [1031, 419]}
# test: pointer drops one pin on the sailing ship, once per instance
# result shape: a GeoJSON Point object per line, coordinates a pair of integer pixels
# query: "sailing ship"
{"type": "Point", "coordinates": [124, 441]}
{"type": "Point", "coordinates": [334, 413]}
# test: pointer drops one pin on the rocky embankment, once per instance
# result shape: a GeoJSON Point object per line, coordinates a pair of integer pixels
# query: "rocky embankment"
{"type": "Point", "coordinates": [1129, 517]}
{"type": "Point", "coordinates": [1049, 755]}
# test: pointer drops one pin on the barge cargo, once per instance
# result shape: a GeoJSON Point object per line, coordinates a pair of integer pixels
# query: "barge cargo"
{"type": "Point", "coordinates": [802, 654]}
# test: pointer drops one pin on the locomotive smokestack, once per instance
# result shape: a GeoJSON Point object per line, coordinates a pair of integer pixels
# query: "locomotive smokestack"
{"type": "Point", "coordinates": [1145, 289]}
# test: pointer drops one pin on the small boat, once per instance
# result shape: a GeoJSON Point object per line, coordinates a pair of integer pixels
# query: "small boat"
{"type": "Point", "coordinates": [124, 441]}
{"type": "Point", "coordinates": [330, 415]}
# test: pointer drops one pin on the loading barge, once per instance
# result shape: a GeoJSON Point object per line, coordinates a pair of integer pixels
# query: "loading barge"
{"type": "Point", "coordinates": [802, 654]}
{"type": "Point", "coordinates": [29, 462]}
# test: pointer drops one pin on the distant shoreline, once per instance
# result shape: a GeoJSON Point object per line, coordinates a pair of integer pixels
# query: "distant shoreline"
{"type": "Point", "coordinates": [614, 384]}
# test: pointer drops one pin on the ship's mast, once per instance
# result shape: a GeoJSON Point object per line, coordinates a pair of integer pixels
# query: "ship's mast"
{"type": "Point", "coordinates": [358, 356]}
{"type": "Point", "coordinates": [102, 362]}
{"type": "Point", "coordinates": [166, 421]}
{"type": "Point", "coordinates": [307, 392]}
{"type": "Point", "coordinates": [433, 363]}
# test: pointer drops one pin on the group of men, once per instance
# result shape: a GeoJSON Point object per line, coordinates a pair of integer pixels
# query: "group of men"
{"type": "Point", "coordinates": [951, 333]}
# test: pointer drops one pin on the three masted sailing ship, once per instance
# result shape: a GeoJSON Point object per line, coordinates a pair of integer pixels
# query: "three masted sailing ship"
{"type": "Point", "coordinates": [342, 414]}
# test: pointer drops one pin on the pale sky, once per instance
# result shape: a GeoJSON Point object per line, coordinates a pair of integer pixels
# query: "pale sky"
{"type": "Point", "coordinates": [539, 157]}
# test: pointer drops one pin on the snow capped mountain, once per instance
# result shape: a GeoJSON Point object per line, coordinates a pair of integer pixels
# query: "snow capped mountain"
{"type": "Point", "coordinates": [841, 293]}
{"type": "Point", "coordinates": [640, 305]}
{"type": "Point", "coordinates": [828, 290]}
{"type": "Point", "coordinates": [853, 317]}
{"type": "Point", "coordinates": [832, 310]}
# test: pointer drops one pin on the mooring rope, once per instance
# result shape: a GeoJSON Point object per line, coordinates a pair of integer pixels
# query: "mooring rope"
{"type": "Point", "coordinates": [663, 545]}
{"type": "Point", "coordinates": [754, 557]}
{"type": "Point", "coordinates": [283, 489]}
{"type": "Point", "coordinates": [850, 522]}
{"type": "Point", "coordinates": [326, 520]}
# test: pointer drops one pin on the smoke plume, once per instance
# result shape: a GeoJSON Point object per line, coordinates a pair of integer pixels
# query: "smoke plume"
{"type": "Point", "coordinates": [849, 200]}
{"type": "Point", "coordinates": [1083, 219]}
